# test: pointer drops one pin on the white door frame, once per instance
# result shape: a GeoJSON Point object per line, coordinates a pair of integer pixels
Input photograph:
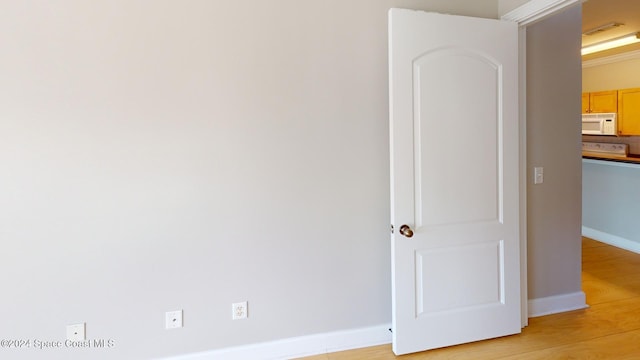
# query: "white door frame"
{"type": "Point", "coordinates": [525, 15]}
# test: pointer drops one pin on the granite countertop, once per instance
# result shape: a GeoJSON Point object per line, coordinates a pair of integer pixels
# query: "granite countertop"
{"type": "Point", "coordinates": [631, 158]}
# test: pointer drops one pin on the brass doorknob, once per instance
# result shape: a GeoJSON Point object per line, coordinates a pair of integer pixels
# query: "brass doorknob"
{"type": "Point", "coordinates": [406, 231]}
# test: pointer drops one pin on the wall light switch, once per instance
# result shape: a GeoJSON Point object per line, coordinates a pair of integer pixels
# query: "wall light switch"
{"type": "Point", "coordinates": [538, 175]}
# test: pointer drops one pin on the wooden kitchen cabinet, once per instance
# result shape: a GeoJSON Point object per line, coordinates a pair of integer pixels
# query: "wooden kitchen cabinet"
{"type": "Point", "coordinates": [600, 102]}
{"type": "Point", "coordinates": [629, 111]}
{"type": "Point", "coordinates": [585, 103]}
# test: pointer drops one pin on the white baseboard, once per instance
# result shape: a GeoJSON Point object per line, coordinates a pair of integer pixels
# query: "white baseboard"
{"type": "Point", "coordinates": [299, 346]}
{"type": "Point", "coordinates": [613, 240]}
{"type": "Point", "coordinates": [557, 304]}
{"type": "Point", "coordinates": [356, 338]}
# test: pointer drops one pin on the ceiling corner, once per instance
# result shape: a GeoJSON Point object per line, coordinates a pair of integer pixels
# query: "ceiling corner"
{"type": "Point", "coordinates": [536, 10]}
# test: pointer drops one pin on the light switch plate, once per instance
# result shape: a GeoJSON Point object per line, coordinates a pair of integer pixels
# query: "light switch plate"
{"type": "Point", "coordinates": [538, 175]}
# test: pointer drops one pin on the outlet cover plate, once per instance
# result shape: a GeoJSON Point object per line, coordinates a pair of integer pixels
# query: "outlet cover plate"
{"type": "Point", "coordinates": [173, 319]}
{"type": "Point", "coordinates": [76, 332]}
{"type": "Point", "coordinates": [239, 310]}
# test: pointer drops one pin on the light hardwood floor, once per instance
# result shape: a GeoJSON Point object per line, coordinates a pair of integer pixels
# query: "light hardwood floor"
{"type": "Point", "coordinates": [608, 329]}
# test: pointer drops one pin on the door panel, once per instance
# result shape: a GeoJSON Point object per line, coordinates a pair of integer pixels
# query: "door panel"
{"type": "Point", "coordinates": [454, 179]}
{"type": "Point", "coordinates": [604, 101]}
{"type": "Point", "coordinates": [629, 112]}
{"type": "Point", "coordinates": [474, 197]}
{"type": "Point", "coordinates": [474, 278]}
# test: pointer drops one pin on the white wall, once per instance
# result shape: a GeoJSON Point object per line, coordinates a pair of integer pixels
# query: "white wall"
{"type": "Point", "coordinates": [162, 155]}
{"type": "Point", "coordinates": [554, 142]}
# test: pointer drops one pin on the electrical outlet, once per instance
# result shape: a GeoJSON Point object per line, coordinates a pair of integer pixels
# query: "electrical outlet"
{"type": "Point", "coordinates": [239, 310]}
{"type": "Point", "coordinates": [76, 332]}
{"type": "Point", "coordinates": [173, 319]}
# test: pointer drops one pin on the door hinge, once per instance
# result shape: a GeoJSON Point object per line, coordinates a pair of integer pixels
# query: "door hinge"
{"type": "Point", "coordinates": [392, 228]}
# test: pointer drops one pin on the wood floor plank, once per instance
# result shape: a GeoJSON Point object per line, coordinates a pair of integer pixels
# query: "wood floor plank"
{"type": "Point", "coordinates": [605, 290]}
{"type": "Point", "coordinates": [608, 329]}
{"type": "Point", "coordinates": [589, 243]}
{"type": "Point", "coordinates": [318, 357]}
{"type": "Point", "coordinates": [621, 346]}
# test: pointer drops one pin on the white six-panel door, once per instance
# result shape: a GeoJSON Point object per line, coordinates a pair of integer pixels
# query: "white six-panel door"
{"type": "Point", "coordinates": [454, 179]}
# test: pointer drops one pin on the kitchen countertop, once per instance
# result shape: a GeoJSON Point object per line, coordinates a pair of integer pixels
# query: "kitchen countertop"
{"type": "Point", "coordinates": [631, 158]}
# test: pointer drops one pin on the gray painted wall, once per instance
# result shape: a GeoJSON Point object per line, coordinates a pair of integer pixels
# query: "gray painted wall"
{"type": "Point", "coordinates": [163, 155]}
{"type": "Point", "coordinates": [554, 142]}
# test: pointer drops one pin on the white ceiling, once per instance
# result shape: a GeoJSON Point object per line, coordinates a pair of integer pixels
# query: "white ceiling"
{"type": "Point", "coordinates": [596, 13]}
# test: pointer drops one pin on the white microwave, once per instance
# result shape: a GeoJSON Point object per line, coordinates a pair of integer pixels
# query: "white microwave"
{"type": "Point", "coordinates": [599, 124]}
